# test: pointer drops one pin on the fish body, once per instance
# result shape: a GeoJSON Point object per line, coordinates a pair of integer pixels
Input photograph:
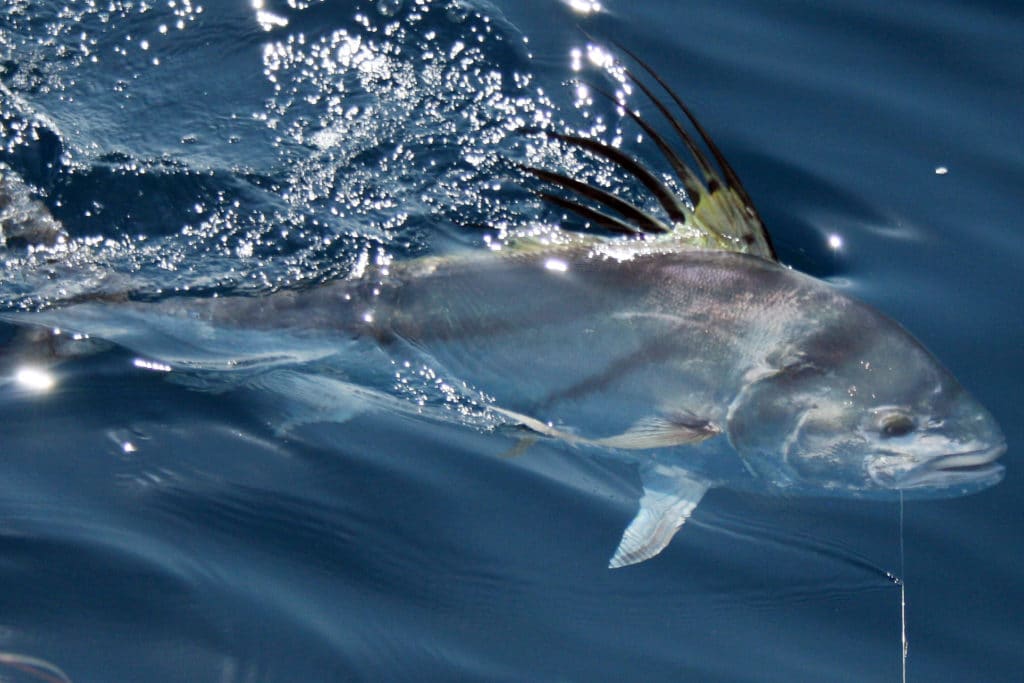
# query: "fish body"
{"type": "Point", "coordinates": [707, 367]}
{"type": "Point", "coordinates": [665, 349]}
{"type": "Point", "coordinates": [664, 357]}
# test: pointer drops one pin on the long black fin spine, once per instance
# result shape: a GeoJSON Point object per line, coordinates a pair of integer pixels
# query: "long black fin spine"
{"type": "Point", "coordinates": [702, 160]}
{"type": "Point", "coordinates": [644, 221]}
{"type": "Point", "coordinates": [723, 209]}
{"type": "Point", "coordinates": [730, 174]}
{"type": "Point", "coordinates": [676, 210]}
{"type": "Point", "coordinates": [601, 218]}
{"type": "Point", "coordinates": [691, 183]}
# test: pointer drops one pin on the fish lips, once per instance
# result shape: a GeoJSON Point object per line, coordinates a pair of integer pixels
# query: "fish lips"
{"type": "Point", "coordinates": [954, 473]}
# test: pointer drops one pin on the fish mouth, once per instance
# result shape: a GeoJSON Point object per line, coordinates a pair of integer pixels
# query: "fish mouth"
{"type": "Point", "coordinates": [971, 469]}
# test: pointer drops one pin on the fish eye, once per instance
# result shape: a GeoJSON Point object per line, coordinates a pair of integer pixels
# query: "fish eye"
{"type": "Point", "coordinates": [896, 424]}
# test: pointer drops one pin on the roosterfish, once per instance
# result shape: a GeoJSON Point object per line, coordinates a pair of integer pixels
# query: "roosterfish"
{"type": "Point", "coordinates": [682, 345]}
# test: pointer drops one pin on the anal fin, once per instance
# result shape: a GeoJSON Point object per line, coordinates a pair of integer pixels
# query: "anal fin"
{"type": "Point", "coordinates": [520, 447]}
{"type": "Point", "coordinates": [670, 496]}
{"type": "Point", "coordinates": [294, 399]}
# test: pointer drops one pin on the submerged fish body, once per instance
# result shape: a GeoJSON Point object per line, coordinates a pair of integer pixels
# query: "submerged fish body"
{"type": "Point", "coordinates": [817, 392]}
{"type": "Point", "coordinates": [659, 355]}
{"type": "Point", "coordinates": [708, 367]}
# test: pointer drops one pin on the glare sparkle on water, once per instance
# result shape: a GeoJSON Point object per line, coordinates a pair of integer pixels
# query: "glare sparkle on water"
{"type": "Point", "coordinates": [584, 7]}
{"type": "Point", "coordinates": [267, 20]}
{"type": "Point", "coordinates": [145, 364]}
{"type": "Point", "coordinates": [35, 379]}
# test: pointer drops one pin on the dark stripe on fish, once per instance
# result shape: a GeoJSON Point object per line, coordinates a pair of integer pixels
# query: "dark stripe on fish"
{"type": "Point", "coordinates": [659, 349]}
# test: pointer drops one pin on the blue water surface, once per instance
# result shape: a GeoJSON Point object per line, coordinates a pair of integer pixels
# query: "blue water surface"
{"type": "Point", "coordinates": [153, 530]}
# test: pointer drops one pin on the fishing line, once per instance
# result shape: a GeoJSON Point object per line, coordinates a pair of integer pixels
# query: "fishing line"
{"type": "Point", "coordinates": [754, 533]}
{"type": "Point", "coordinates": [903, 598]}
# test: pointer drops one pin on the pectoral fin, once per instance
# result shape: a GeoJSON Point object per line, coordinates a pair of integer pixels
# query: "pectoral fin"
{"type": "Point", "coordinates": [649, 432]}
{"type": "Point", "coordinates": [661, 432]}
{"type": "Point", "coordinates": [670, 495]}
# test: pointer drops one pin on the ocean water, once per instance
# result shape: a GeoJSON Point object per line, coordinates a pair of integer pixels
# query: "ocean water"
{"type": "Point", "coordinates": [152, 530]}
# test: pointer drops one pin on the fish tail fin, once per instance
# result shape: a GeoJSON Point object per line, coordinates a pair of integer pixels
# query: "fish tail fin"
{"type": "Point", "coordinates": [25, 220]}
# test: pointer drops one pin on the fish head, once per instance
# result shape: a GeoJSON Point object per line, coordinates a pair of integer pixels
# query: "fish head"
{"type": "Point", "coordinates": [864, 410]}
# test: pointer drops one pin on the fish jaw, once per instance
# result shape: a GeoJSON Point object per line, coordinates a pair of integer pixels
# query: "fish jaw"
{"type": "Point", "coordinates": [952, 474]}
{"type": "Point", "coordinates": [960, 456]}
{"type": "Point", "coordinates": [957, 456]}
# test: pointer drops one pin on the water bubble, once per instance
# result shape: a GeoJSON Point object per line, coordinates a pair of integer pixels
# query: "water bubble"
{"type": "Point", "coordinates": [389, 8]}
{"type": "Point", "coordinates": [457, 11]}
